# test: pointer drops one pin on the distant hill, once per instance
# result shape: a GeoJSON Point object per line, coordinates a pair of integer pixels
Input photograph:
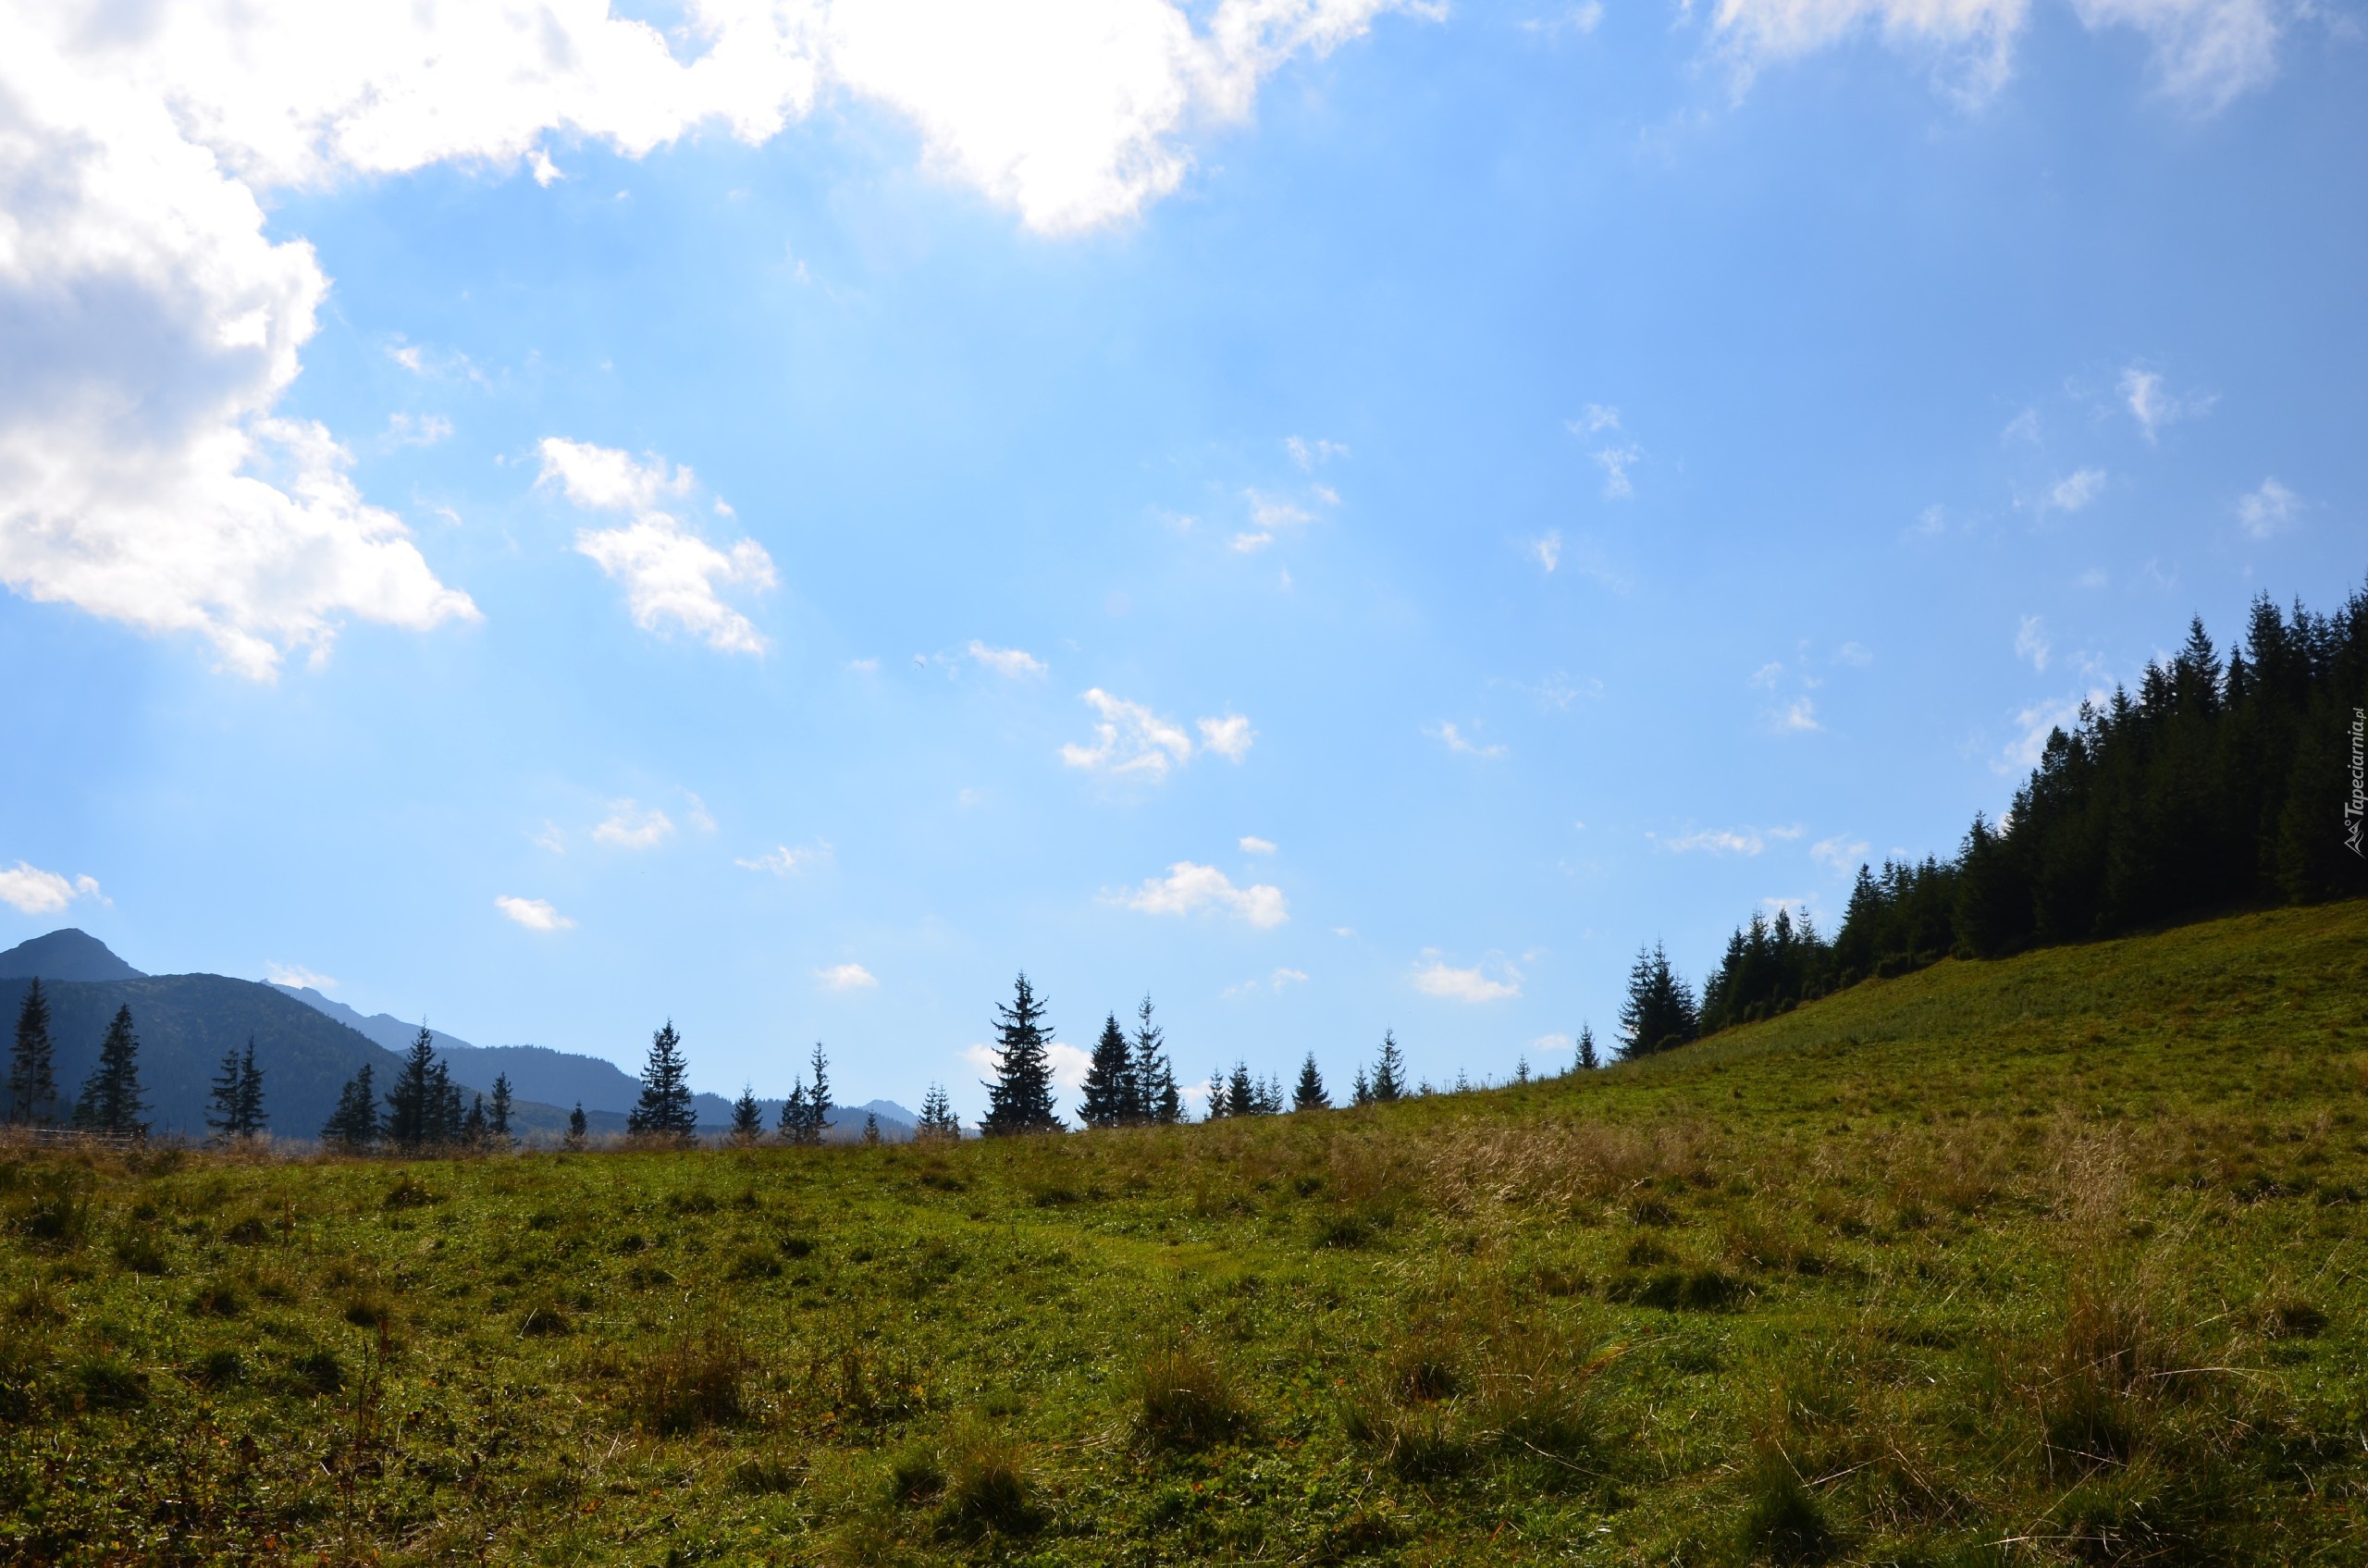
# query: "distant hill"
{"type": "Point", "coordinates": [565, 1079]}
{"type": "Point", "coordinates": [64, 955]}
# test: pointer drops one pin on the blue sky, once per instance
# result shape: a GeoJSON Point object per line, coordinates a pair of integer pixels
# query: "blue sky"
{"type": "Point", "coordinates": [1356, 529]}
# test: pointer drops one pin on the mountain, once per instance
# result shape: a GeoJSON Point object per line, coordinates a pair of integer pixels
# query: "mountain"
{"type": "Point", "coordinates": [565, 1079]}
{"type": "Point", "coordinates": [64, 955]}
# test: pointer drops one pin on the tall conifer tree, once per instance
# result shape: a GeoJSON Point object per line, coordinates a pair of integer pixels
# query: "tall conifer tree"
{"type": "Point", "coordinates": [747, 1117]}
{"type": "Point", "coordinates": [938, 1121]}
{"type": "Point", "coordinates": [579, 1128]}
{"type": "Point", "coordinates": [1310, 1095]}
{"type": "Point", "coordinates": [1110, 1096]}
{"type": "Point", "coordinates": [498, 1110]}
{"type": "Point", "coordinates": [110, 1101]}
{"type": "Point", "coordinates": [1659, 1012]}
{"type": "Point", "coordinates": [32, 1072]}
{"type": "Point", "coordinates": [1154, 1075]}
{"type": "Point", "coordinates": [353, 1126]}
{"type": "Point", "coordinates": [1020, 1099]}
{"type": "Point", "coordinates": [817, 1099]}
{"type": "Point", "coordinates": [415, 1104]}
{"type": "Point", "coordinates": [1389, 1071]}
{"type": "Point", "coordinates": [1588, 1059]}
{"type": "Point", "coordinates": [664, 1111]}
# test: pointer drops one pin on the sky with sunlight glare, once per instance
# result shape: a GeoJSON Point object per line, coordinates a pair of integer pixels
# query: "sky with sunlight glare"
{"type": "Point", "coordinates": [548, 516]}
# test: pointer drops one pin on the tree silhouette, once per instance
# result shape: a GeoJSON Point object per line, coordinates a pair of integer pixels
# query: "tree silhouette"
{"type": "Point", "coordinates": [664, 1112]}
{"type": "Point", "coordinates": [1020, 1099]}
{"type": "Point", "coordinates": [110, 1101]}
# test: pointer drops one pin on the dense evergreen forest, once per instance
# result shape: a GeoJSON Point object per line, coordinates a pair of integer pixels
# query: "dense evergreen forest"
{"type": "Point", "coordinates": [2220, 784]}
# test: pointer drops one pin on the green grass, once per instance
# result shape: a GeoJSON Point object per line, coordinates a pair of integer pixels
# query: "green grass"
{"type": "Point", "coordinates": [2051, 1260]}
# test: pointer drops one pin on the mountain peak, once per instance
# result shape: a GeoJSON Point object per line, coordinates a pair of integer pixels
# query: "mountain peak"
{"type": "Point", "coordinates": [65, 954]}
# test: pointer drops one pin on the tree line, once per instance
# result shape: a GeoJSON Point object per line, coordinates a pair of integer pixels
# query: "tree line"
{"type": "Point", "coordinates": [2220, 784]}
{"type": "Point", "coordinates": [112, 1101]}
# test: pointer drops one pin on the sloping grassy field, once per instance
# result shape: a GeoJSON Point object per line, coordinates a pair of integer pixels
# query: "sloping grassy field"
{"type": "Point", "coordinates": [2051, 1260]}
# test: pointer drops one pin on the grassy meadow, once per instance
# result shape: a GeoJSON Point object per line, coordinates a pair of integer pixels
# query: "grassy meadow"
{"type": "Point", "coordinates": [2056, 1259]}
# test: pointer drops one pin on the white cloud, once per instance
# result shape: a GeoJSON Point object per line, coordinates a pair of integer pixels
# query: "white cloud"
{"type": "Point", "coordinates": [553, 837]}
{"type": "Point", "coordinates": [846, 977]}
{"type": "Point", "coordinates": [2074, 491]}
{"type": "Point", "coordinates": [1594, 417]}
{"type": "Point", "coordinates": [1439, 979]}
{"type": "Point", "coordinates": [627, 826]}
{"type": "Point", "coordinates": [32, 891]}
{"type": "Point", "coordinates": [1455, 741]}
{"type": "Point", "coordinates": [1616, 461]}
{"type": "Point", "coordinates": [1252, 844]}
{"type": "Point", "coordinates": [1229, 737]}
{"type": "Point", "coordinates": [1547, 552]}
{"type": "Point", "coordinates": [697, 815]}
{"type": "Point", "coordinates": [2153, 405]}
{"type": "Point", "coordinates": [2206, 52]}
{"type": "Point", "coordinates": [2034, 724]}
{"type": "Point", "coordinates": [298, 975]}
{"type": "Point", "coordinates": [1187, 889]}
{"type": "Point", "coordinates": [1841, 852]}
{"type": "Point", "coordinates": [671, 574]}
{"type": "Point", "coordinates": [1130, 739]}
{"type": "Point", "coordinates": [2268, 510]}
{"type": "Point", "coordinates": [1276, 982]}
{"type": "Point", "coordinates": [1009, 661]}
{"type": "Point", "coordinates": [1272, 515]}
{"type": "Point", "coordinates": [2030, 642]}
{"type": "Point", "coordinates": [426, 430]}
{"type": "Point", "coordinates": [533, 913]}
{"type": "Point", "coordinates": [1767, 675]}
{"type": "Point", "coordinates": [1800, 714]}
{"type": "Point", "coordinates": [781, 860]}
{"type": "Point", "coordinates": [1730, 839]}
{"type": "Point", "coordinates": [1308, 454]}
{"type": "Point", "coordinates": [151, 325]}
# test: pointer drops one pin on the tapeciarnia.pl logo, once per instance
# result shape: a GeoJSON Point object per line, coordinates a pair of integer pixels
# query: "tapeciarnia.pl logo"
{"type": "Point", "coordinates": [2355, 810]}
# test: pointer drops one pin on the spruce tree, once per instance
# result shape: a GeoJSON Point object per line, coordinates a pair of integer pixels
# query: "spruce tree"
{"type": "Point", "coordinates": [817, 1099]}
{"type": "Point", "coordinates": [747, 1117]}
{"type": "Point", "coordinates": [664, 1112]}
{"type": "Point", "coordinates": [353, 1126]}
{"type": "Point", "coordinates": [1389, 1071]}
{"type": "Point", "coordinates": [498, 1110]}
{"type": "Point", "coordinates": [1020, 1100]}
{"type": "Point", "coordinates": [474, 1130]}
{"type": "Point", "coordinates": [1659, 1013]}
{"type": "Point", "coordinates": [1217, 1094]}
{"type": "Point", "coordinates": [578, 1128]}
{"type": "Point", "coordinates": [1240, 1094]}
{"type": "Point", "coordinates": [251, 1119]}
{"type": "Point", "coordinates": [222, 1108]}
{"type": "Point", "coordinates": [938, 1121]}
{"type": "Point", "coordinates": [1310, 1095]}
{"type": "Point", "coordinates": [1361, 1092]}
{"type": "Point", "coordinates": [871, 1129]}
{"type": "Point", "coordinates": [110, 1101]}
{"type": "Point", "coordinates": [32, 1073]}
{"type": "Point", "coordinates": [1588, 1060]}
{"type": "Point", "coordinates": [415, 1104]}
{"type": "Point", "coordinates": [1154, 1075]}
{"type": "Point", "coordinates": [795, 1125]}
{"type": "Point", "coordinates": [1270, 1096]}
{"type": "Point", "coordinates": [1109, 1080]}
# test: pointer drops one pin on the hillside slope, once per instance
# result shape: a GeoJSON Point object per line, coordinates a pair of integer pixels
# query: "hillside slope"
{"type": "Point", "coordinates": [2053, 1260]}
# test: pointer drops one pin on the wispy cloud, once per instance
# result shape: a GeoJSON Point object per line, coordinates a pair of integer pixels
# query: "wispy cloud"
{"type": "Point", "coordinates": [846, 977]}
{"type": "Point", "coordinates": [32, 891]}
{"type": "Point", "coordinates": [1473, 985]}
{"type": "Point", "coordinates": [421, 430]}
{"type": "Point", "coordinates": [627, 826]}
{"type": "Point", "coordinates": [1309, 455]}
{"type": "Point", "coordinates": [1008, 661]}
{"type": "Point", "coordinates": [2074, 491]}
{"type": "Point", "coordinates": [1252, 844]}
{"type": "Point", "coordinates": [1189, 888]}
{"type": "Point", "coordinates": [2154, 405]}
{"type": "Point", "coordinates": [1798, 715]}
{"type": "Point", "coordinates": [2267, 509]}
{"type": "Point", "coordinates": [672, 576]}
{"type": "Point", "coordinates": [1274, 982]}
{"type": "Point", "coordinates": [1446, 732]}
{"type": "Point", "coordinates": [298, 975]}
{"type": "Point", "coordinates": [2030, 642]}
{"type": "Point", "coordinates": [781, 860]}
{"type": "Point", "coordinates": [1130, 739]}
{"type": "Point", "coordinates": [535, 914]}
{"type": "Point", "coordinates": [1229, 736]}
{"type": "Point", "coordinates": [1546, 550]}
{"type": "Point", "coordinates": [1842, 852]}
{"type": "Point", "coordinates": [1728, 841]}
